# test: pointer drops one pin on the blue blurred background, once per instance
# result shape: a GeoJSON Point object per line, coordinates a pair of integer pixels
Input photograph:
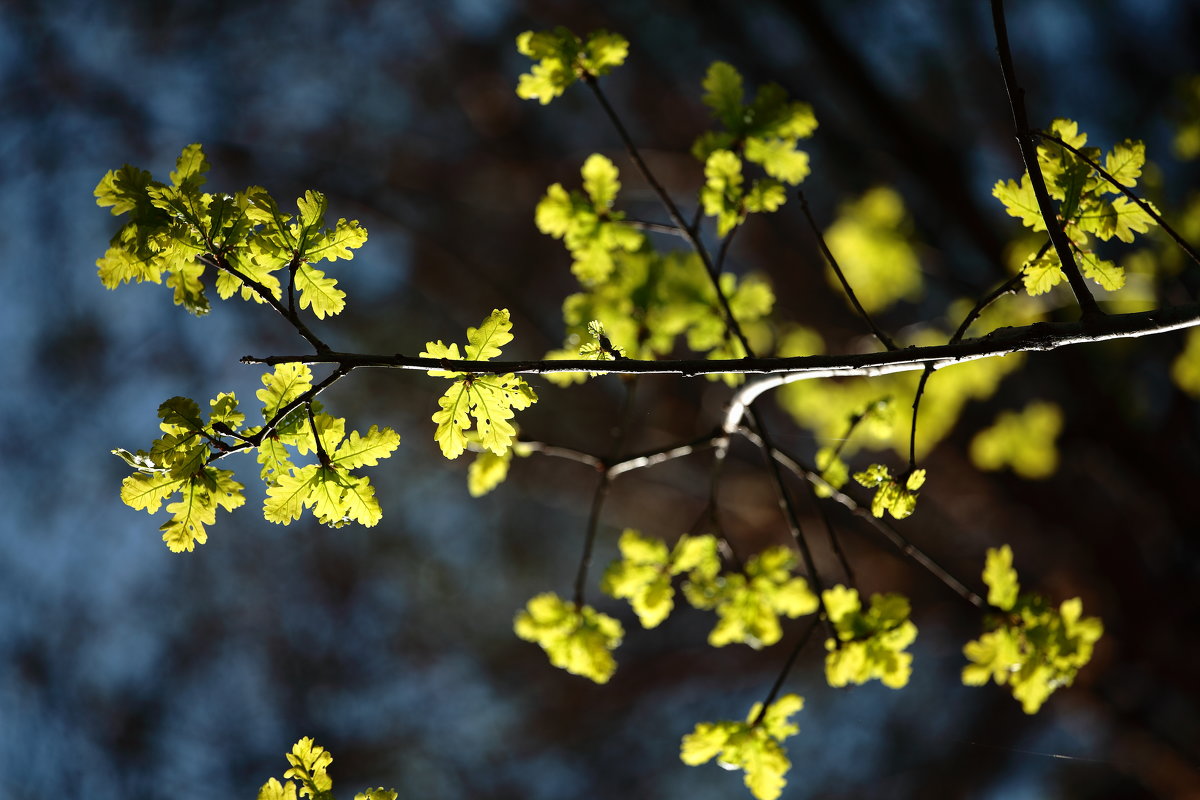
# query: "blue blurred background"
{"type": "Point", "coordinates": [127, 671]}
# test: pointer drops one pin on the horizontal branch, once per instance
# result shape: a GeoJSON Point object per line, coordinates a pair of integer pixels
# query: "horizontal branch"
{"type": "Point", "coordinates": [1001, 342]}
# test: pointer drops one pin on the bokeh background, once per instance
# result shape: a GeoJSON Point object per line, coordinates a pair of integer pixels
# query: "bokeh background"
{"type": "Point", "coordinates": [127, 671]}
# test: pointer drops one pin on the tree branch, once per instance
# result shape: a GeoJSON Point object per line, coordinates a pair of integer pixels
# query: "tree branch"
{"type": "Point", "coordinates": [1016, 102]}
{"type": "Point", "coordinates": [1040, 336]}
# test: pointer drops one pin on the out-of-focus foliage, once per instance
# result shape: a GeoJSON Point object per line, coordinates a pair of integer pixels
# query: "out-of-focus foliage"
{"type": "Point", "coordinates": [871, 241]}
{"type": "Point", "coordinates": [562, 58]}
{"type": "Point", "coordinates": [748, 604]}
{"type": "Point", "coordinates": [643, 575]}
{"type": "Point", "coordinates": [578, 639]}
{"type": "Point", "coordinates": [870, 644]}
{"type": "Point", "coordinates": [1031, 646]}
{"type": "Point", "coordinates": [754, 746]}
{"type": "Point", "coordinates": [1021, 440]}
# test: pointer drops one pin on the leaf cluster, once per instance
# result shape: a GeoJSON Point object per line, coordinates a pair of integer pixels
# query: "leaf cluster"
{"type": "Point", "coordinates": [1022, 440]}
{"type": "Point", "coordinates": [870, 644]}
{"type": "Point", "coordinates": [176, 231]}
{"type": "Point", "coordinates": [177, 464]}
{"type": "Point", "coordinates": [643, 574]}
{"type": "Point", "coordinates": [179, 461]}
{"type": "Point", "coordinates": [489, 400]}
{"type": "Point", "coordinates": [1031, 646]}
{"type": "Point", "coordinates": [896, 496]}
{"type": "Point", "coordinates": [765, 131]}
{"type": "Point", "coordinates": [1085, 208]}
{"type": "Point", "coordinates": [563, 58]}
{"type": "Point", "coordinates": [653, 300]}
{"type": "Point", "coordinates": [586, 222]}
{"type": "Point", "coordinates": [748, 604]}
{"type": "Point", "coordinates": [310, 764]}
{"type": "Point", "coordinates": [754, 746]}
{"type": "Point", "coordinates": [578, 639]}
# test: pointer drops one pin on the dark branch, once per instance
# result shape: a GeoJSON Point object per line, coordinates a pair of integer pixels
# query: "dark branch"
{"type": "Point", "coordinates": [1004, 341]}
{"type": "Point", "coordinates": [1016, 101]}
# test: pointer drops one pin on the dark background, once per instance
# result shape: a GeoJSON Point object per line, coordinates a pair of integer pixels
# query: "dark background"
{"type": "Point", "coordinates": [127, 671]}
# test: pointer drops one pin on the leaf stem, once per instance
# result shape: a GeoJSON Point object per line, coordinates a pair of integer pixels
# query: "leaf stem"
{"type": "Point", "coordinates": [783, 673]}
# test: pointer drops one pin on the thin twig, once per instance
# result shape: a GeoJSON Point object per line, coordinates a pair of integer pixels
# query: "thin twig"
{"type": "Point", "coordinates": [835, 542]}
{"type": "Point", "coordinates": [601, 492]}
{"type": "Point", "coordinates": [1008, 286]}
{"type": "Point", "coordinates": [590, 538]}
{"type": "Point", "coordinates": [1016, 102]}
{"type": "Point", "coordinates": [268, 428]}
{"type": "Point", "coordinates": [783, 673]}
{"type": "Point", "coordinates": [220, 262]}
{"type": "Point", "coordinates": [883, 338]}
{"type": "Point", "coordinates": [322, 456]}
{"type": "Point", "coordinates": [906, 548]}
{"type": "Point", "coordinates": [570, 454]}
{"type": "Point", "coordinates": [669, 204]}
{"type": "Point", "coordinates": [1040, 336]}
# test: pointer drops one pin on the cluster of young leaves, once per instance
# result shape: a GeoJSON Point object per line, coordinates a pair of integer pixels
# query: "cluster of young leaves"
{"type": "Point", "coordinates": [748, 604]}
{"type": "Point", "coordinates": [764, 131]}
{"type": "Point", "coordinates": [578, 639]}
{"type": "Point", "coordinates": [1085, 208]}
{"type": "Point", "coordinates": [563, 58]}
{"type": "Point", "coordinates": [310, 764]}
{"type": "Point", "coordinates": [178, 464]}
{"type": "Point", "coordinates": [895, 495]}
{"type": "Point", "coordinates": [643, 573]}
{"type": "Point", "coordinates": [586, 221]}
{"type": "Point", "coordinates": [488, 399]}
{"type": "Point", "coordinates": [754, 746]}
{"type": "Point", "coordinates": [870, 644]}
{"type": "Point", "coordinates": [178, 231]}
{"type": "Point", "coordinates": [1031, 646]}
{"type": "Point", "coordinates": [1021, 440]}
{"type": "Point", "coordinates": [335, 494]}
{"type": "Point", "coordinates": [179, 461]}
